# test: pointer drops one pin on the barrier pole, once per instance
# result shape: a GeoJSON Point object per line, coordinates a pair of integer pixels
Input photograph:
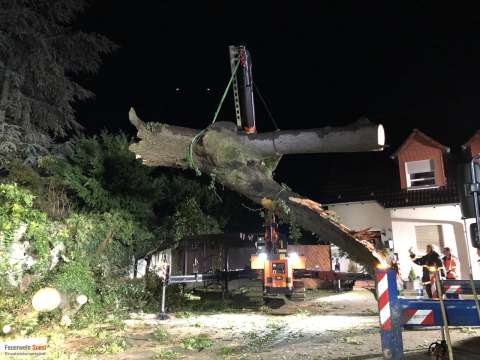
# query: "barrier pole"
{"type": "Point", "coordinates": [476, 202]}
{"type": "Point", "coordinates": [163, 315]}
{"type": "Point", "coordinates": [445, 329]}
{"type": "Point", "coordinates": [390, 314]}
{"type": "Point", "coordinates": [470, 270]}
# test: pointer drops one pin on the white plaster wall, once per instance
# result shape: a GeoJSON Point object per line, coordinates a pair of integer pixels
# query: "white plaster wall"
{"type": "Point", "coordinates": [449, 217]}
{"type": "Point", "coordinates": [362, 215]}
{"type": "Point", "coordinates": [399, 225]}
{"type": "Point", "coordinates": [359, 216]}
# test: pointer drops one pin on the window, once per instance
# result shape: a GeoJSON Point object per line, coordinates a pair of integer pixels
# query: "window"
{"type": "Point", "coordinates": [278, 268]}
{"type": "Point", "coordinates": [420, 174]}
{"type": "Point", "coordinates": [429, 235]}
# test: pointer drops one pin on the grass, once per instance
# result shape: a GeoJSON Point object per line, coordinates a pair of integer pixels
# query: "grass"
{"type": "Point", "coordinates": [371, 311]}
{"type": "Point", "coordinates": [184, 314]}
{"type": "Point", "coordinates": [108, 343]}
{"type": "Point", "coordinates": [303, 312]}
{"type": "Point", "coordinates": [167, 354]}
{"type": "Point", "coordinates": [265, 309]}
{"type": "Point", "coordinates": [351, 341]}
{"type": "Point", "coordinates": [208, 301]}
{"type": "Point", "coordinates": [199, 342]}
{"type": "Point", "coordinates": [275, 325]}
{"type": "Point", "coordinates": [256, 341]}
{"type": "Point", "coordinates": [226, 350]}
{"type": "Point", "coordinates": [160, 334]}
{"type": "Point", "coordinates": [468, 330]}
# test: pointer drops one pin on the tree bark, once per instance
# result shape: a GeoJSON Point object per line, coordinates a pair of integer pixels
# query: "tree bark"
{"type": "Point", "coordinates": [245, 163]}
{"type": "Point", "coordinates": [359, 136]}
{"type": "Point", "coordinates": [4, 96]}
{"type": "Point", "coordinates": [135, 268]}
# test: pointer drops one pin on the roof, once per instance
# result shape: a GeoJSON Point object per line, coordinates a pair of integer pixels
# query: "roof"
{"type": "Point", "coordinates": [469, 142]}
{"type": "Point", "coordinates": [417, 134]}
{"type": "Point", "coordinates": [391, 196]}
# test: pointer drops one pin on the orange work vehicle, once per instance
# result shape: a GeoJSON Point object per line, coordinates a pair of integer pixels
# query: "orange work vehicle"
{"type": "Point", "coordinates": [275, 265]}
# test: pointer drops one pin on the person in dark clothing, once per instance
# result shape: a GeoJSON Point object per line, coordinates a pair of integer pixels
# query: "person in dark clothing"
{"type": "Point", "coordinates": [431, 260]}
{"type": "Point", "coordinates": [337, 265]}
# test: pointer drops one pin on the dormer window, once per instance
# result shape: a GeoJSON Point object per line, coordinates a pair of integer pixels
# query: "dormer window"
{"type": "Point", "coordinates": [420, 162]}
{"type": "Point", "coordinates": [420, 174]}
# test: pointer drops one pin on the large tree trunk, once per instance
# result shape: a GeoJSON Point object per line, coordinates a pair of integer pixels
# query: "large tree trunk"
{"type": "Point", "coordinates": [244, 163]}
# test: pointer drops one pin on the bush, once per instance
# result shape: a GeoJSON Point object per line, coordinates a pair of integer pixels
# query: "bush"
{"type": "Point", "coordinates": [125, 294]}
{"type": "Point", "coordinates": [75, 277]}
{"type": "Point", "coordinates": [412, 275]}
{"type": "Point", "coordinates": [8, 308]}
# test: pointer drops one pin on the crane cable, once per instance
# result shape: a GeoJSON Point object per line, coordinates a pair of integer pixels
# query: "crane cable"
{"type": "Point", "coordinates": [272, 119]}
{"type": "Point", "coordinates": [197, 137]}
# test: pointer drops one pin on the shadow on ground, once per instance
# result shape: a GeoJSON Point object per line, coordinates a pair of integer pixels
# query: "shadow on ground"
{"type": "Point", "coordinates": [468, 349]}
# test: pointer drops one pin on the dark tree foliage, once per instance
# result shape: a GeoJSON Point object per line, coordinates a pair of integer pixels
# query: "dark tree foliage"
{"type": "Point", "coordinates": [101, 175]}
{"type": "Point", "coordinates": [115, 208]}
{"type": "Point", "coordinates": [40, 54]}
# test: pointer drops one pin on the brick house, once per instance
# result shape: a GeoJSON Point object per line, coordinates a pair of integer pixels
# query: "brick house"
{"type": "Point", "coordinates": [420, 162]}
{"type": "Point", "coordinates": [472, 146]}
{"type": "Point", "coordinates": [419, 206]}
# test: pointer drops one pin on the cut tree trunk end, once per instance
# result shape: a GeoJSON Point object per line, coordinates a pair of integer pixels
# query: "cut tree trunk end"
{"type": "Point", "coordinates": [245, 164]}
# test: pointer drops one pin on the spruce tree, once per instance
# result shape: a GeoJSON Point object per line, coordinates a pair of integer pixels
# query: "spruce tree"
{"type": "Point", "coordinates": [41, 52]}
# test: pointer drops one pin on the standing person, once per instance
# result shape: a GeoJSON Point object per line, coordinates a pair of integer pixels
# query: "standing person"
{"type": "Point", "coordinates": [395, 265]}
{"type": "Point", "coordinates": [450, 265]}
{"type": "Point", "coordinates": [338, 284]}
{"type": "Point", "coordinates": [429, 262]}
{"type": "Point", "coordinates": [337, 265]}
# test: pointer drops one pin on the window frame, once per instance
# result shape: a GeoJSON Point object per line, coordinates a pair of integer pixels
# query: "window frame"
{"type": "Point", "coordinates": [411, 181]}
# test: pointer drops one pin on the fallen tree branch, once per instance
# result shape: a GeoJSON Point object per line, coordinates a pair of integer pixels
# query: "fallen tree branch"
{"type": "Point", "coordinates": [245, 163]}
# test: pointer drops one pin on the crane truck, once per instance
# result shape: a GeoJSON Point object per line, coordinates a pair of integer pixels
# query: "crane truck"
{"type": "Point", "coordinates": [276, 266]}
{"type": "Point", "coordinates": [273, 261]}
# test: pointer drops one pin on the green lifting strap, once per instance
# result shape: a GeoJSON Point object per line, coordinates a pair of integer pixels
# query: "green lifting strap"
{"type": "Point", "coordinates": [197, 137]}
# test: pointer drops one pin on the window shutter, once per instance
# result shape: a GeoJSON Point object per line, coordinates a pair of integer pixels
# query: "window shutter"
{"type": "Point", "coordinates": [429, 234]}
{"type": "Point", "coordinates": [420, 174]}
{"type": "Point", "coordinates": [420, 166]}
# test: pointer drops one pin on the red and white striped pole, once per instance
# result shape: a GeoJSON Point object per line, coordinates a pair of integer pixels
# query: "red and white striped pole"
{"type": "Point", "coordinates": [390, 314]}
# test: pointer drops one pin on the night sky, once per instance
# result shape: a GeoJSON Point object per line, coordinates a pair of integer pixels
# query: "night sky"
{"type": "Point", "coordinates": [317, 63]}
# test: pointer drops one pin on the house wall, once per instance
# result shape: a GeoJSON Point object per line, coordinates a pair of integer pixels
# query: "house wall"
{"type": "Point", "coordinates": [360, 216]}
{"type": "Point", "coordinates": [475, 145]}
{"type": "Point", "coordinates": [449, 217]}
{"type": "Point", "coordinates": [317, 257]}
{"type": "Point", "coordinates": [417, 150]}
{"type": "Point", "coordinates": [399, 225]}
